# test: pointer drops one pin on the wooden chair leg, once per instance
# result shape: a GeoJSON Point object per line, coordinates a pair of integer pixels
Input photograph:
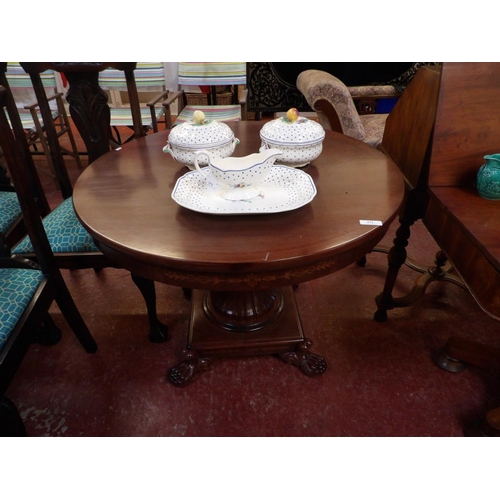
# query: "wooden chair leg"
{"type": "Point", "coordinates": [395, 259]}
{"type": "Point", "coordinates": [158, 331]}
{"type": "Point", "coordinates": [48, 333]}
{"type": "Point", "coordinates": [72, 315]}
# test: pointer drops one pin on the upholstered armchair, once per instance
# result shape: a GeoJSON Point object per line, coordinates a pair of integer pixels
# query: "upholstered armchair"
{"type": "Point", "coordinates": [334, 104]}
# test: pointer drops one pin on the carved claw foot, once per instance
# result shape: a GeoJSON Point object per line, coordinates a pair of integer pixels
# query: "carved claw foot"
{"type": "Point", "coordinates": [158, 333]}
{"type": "Point", "coordinates": [311, 364]}
{"type": "Point", "coordinates": [447, 363]}
{"type": "Point", "coordinates": [183, 373]}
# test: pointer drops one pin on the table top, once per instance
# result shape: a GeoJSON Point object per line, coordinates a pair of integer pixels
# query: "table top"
{"type": "Point", "coordinates": [124, 200]}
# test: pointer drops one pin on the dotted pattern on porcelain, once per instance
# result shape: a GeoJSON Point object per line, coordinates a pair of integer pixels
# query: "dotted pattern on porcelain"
{"type": "Point", "coordinates": [209, 134]}
{"type": "Point", "coordinates": [283, 189]}
{"type": "Point", "coordinates": [301, 141]}
{"type": "Point", "coordinates": [242, 178]}
{"type": "Point", "coordinates": [186, 139]}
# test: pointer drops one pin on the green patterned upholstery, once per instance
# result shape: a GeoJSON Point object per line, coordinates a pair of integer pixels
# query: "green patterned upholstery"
{"type": "Point", "coordinates": [17, 287]}
{"type": "Point", "coordinates": [64, 232]}
{"type": "Point", "coordinates": [10, 210]}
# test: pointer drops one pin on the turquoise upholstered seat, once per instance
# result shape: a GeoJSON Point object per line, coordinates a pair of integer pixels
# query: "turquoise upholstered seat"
{"type": "Point", "coordinates": [17, 288]}
{"type": "Point", "coordinates": [10, 210]}
{"type": "Point", "coordinates": [64, 232]}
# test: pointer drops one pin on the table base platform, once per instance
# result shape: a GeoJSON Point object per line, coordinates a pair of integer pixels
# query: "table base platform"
{"type": "Point", "coordinates": [224, 324]}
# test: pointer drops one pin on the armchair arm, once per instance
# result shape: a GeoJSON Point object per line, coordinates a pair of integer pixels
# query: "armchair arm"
{"type": "Point", "coordinates": [332, 101]}
{"type": "Point", "coordinates": [157, 98]}
{"type": "Point", "coordinates": [177, 95]}
{"type": "Point", "coordinates": [33, 105]}
{"type": "Point", "coordinates": [151, 105]}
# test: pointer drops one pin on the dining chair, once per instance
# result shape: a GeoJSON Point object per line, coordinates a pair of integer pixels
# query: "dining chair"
{"type": "Point", "coordinates": [208, 77]}
{"type": "Point", "coordinates": [460, 129]}
{"type": "Point", "coordinates": [72, 245]}
{"type": "Point", "coordinates": [27, 288]}
{"type": "Point", "coordinates": [29, 110]}
{"type": "Point", "coordinates": [151, 90]}
{"type": "Point", "coordinates": [12, 227]}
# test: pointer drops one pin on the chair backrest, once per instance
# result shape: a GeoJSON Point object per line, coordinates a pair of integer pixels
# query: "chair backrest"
{"type": "Point", "coordinates": [22, 169]}
{"type": "Point", "coordinates": [409, 126]}
{"type": "Point", "coordinates": [16, 125]}
{"type": "Point", "coordinates": [21, 85]}
{"type": "Point", "coordinates": [212, 73]}
{"type": "Point", "coordinates": [149, 79]}
{"type": "Point", "coordinates": [148, 76]}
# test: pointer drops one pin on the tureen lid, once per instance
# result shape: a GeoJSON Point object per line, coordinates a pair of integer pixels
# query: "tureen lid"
{"type": "Point", "coordinates": [210, 133]}
{"type": "Point", "coordinates": [286, 132]}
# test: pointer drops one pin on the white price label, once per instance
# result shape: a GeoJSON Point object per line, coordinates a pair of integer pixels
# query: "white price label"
{"type": "Point", "coordinates": [370, 222]}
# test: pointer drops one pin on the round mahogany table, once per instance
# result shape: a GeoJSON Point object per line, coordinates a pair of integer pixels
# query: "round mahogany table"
{"type": "Point", "coordinates": [241, 268]}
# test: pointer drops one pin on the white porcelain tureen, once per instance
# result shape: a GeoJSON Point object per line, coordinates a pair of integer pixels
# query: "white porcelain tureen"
{"type": "Point", "coordinates": [300, 139]}
{"type": "Point", "coordinates": [186, 139]}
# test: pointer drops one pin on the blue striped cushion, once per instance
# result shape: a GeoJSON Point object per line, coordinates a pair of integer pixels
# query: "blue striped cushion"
{"type": "Point", "coordinates": [122, 117]}
{"type": "Point", "coordinates": [231, 113]}
{"type": "Point", "coordinates": [19, 79]}
{"type": "Point", "coordinates": [27, 119]}
{"type": "Point", "coordinates": [148, 76]}
{"type": "Point", "coordinates": [64, 232]}
{"type": "Point", "coordinates": [17, 287]}
{"type": "Point", "coordinates": [10, 210]}
{"type": "Point", "coordinates": [212, 73]}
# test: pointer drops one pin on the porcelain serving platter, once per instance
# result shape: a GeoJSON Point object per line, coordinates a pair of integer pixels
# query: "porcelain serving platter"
{"type": "Point", "coordinates": [284, 189]}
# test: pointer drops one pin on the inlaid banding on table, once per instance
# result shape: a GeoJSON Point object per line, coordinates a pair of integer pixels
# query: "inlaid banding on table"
{"type": "Point", "coordinates": [252, 279]}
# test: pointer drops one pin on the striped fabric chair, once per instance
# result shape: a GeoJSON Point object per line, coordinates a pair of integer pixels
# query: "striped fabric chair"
{"type": "Point", "coordinates": [151, 89]}
{"type": "Point", "coordinates": [24, 95]}
{"type": "Point", "coordinates": [207, 76]}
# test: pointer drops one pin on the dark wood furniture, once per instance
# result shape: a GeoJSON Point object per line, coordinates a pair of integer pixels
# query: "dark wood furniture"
{"type": "Point", "coordinates": [91, 114]}
{"type": "Point", "coordinates": [88, 102]}
{"type": "Point", "coordinates": [241, 268]}
{"type": "Point", "coordinates": [464, 128]}
{"type": "Point", "coordinates": [51, 286]}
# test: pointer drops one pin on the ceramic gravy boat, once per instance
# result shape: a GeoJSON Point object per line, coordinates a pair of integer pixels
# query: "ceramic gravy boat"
{"type": "Point", "coordinates": [237, 178]}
